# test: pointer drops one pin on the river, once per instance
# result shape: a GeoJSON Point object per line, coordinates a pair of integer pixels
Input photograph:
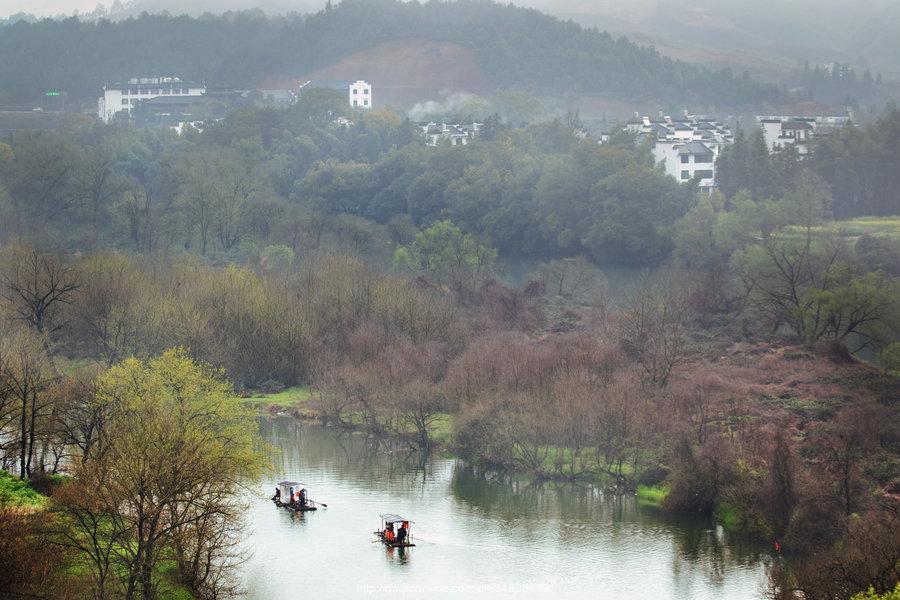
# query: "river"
{"type": "Point", "coordinates": [476, 535]}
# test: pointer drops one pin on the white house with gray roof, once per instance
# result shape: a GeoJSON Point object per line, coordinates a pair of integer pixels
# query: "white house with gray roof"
{"type": "Point", "coordinates": [686, 160]}
{"type": "Point", "coordinates": [686, 147]}
{"type": "Point", "coordinates": [782, 130]}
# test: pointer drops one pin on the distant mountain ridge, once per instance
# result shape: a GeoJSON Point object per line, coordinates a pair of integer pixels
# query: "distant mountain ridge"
{"type": "Point", "coordinates": [764, 35]}
{"type": "Point", "coordinates": [515, 48]}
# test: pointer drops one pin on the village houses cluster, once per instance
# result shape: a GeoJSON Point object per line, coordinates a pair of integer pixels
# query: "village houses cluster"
{"type": "Point", "coordinates": [456, 135]}
{"type": "Point", "coordinates": [686, 147]}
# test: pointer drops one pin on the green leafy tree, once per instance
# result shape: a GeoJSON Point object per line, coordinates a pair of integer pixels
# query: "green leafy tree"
{"type": "Point", "coordinates": [444, 252]}
{"type": "Point", "coordinates": [177, 448]}
{"type": "Point", "coordinates": [871, 594]}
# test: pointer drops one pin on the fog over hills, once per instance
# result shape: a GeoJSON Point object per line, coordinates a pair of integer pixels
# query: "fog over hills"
{"type": "Point", "coordinates": [417, 50]}
{"type": "Point", "coordinates": [764, 34]}
{"type": "Point", "coordinates": [766, 37]}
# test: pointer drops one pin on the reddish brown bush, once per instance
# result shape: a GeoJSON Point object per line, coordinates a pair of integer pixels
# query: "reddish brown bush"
{"type": "Point", "coordinates": [29, 566]}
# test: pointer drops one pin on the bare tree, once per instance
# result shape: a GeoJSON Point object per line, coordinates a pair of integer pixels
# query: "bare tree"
{"type": "Point", "coordinates": [80, 415]}
{"type": "Point", "coordinates": [574, 279]}
{"type": "Point", "coordinates": [653, 325]}
{"type": "Point", "coordinates": [90, 528]}
{"type": "Point", "coordinates": [37, 285]}
{"type": "Point", "coordinates": [26, 375]}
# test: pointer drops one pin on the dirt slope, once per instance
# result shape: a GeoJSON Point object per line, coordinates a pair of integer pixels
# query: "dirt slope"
{"type": "Point", "coordinates": [404, 72]}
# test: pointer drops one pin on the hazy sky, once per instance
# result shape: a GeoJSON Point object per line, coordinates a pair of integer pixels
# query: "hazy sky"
{"type": "Point", "coordinates": [630, 10]}
{"type": "Point", "coordinates": [42, 7]}
{"type": "Point", "coordinates": [55, 7]}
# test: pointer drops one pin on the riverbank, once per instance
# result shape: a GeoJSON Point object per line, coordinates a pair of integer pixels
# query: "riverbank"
{"type": "Point", "coordinates": [556, 464]}
{"type": "Point", "coordinates": [749, 391]}
{"type": "Point", "coordinates": [299, 402]}
{"type": "Point", "coordinates": [21, 505]}
{"type": "Point", "coordinates": [296, 399]}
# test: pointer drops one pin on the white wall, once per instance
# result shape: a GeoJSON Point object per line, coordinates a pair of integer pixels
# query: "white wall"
{"type": "Point", "coordinates": [125, 97]}
{"type": "Point", "coordinates": [360, 95]}
{"type": "Point", "coordinates": [771, 131]}
{"type": "Point", "coordinates": [666, 154]}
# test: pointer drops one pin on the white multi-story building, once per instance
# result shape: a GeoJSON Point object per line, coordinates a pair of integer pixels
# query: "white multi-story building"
{"type": "Point", "coordinates": [123, 97]}
{"type": "Point", "coordinates": [686, 160]}
{"type": "Point", "coordinates": [361, 94]}
{"type": "Point", "coordinates": [781, 130]}
{"type": "Point", "coordinates": [685, 147]}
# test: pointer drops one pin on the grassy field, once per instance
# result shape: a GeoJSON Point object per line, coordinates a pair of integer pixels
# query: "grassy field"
{"type": "Point", "coordinates": [292, 397]}
{"type": "Point", "coordinates": [882, 226]}
{"type": "Point", "coordinates": [651, 495]}
{"type": "Point", "coordinates": [442, 429]}
{"type": "Point", "coordinates": [19, 494]}
{"type": "Point", "coordinates": [727, 516]}
{"type": "Point", "coordinates": [853, 229]}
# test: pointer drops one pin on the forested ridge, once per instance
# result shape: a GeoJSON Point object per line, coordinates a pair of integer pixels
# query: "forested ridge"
{"type": "Point", "coordinates": [518, 48]}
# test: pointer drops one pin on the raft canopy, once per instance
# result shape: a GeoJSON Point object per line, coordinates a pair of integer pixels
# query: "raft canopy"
{"type": "Point", "coordinates": [290, 487]}
{"type": "Point", "coordinates": [391, 518]}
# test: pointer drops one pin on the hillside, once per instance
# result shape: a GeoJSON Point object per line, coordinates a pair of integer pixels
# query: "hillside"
{"type": "Point", "coordinates": [515, 48]}
{"type": "Point", "coordinates": [767, 37]}
{"type": "Point", "coordinates": [407, 71]}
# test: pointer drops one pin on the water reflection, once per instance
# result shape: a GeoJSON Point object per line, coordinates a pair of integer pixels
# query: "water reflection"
{"type": "Point", "coordinates": [506, 534]}
{"type": "Point", "coordinates": [398, 557]}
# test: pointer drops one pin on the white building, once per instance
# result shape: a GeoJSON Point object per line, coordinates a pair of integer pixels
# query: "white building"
{"type": "Point", "coordinates": [123, 97]}
{"type": "Point", "coordinates": [686, 147]}
{"type": "Point", "coordinates": [361, 94]}
{"type": "Point", "coordinates": [686, 160]}
{"type": "Point", "coordinates": [781, 130]}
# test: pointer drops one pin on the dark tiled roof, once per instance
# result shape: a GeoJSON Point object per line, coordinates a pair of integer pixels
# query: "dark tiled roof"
{"type": "Point", "coordinates": [794, 125]}
{"type": "Point", "coordinates": [172, 100]}
{"type": "Point", "coordinates": [167, 84]}
{"type": "Point", "coordinates": [695, 148]}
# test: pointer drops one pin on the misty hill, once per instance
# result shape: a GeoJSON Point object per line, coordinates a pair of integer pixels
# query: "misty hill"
{"type": "Point", "coordinates": [514, 48]}
{"type": "Point", "coordinates": [767, 36]}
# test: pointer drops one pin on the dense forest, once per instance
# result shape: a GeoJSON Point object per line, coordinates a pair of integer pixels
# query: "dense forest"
{"type": "Point", "coordinates": [519, 49]}
{"type": "Point", "coordinates": [266, 177]}
{"type": "Point", "coordinates": [858, 163]}
{"type": "Point", "coordinates": [838, 83]}
{"type": "Point", "coordinates": [148, 278]}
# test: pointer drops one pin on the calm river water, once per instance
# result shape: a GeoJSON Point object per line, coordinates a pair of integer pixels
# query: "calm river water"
{"type": "Point", "coordinates": [477, 536]}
